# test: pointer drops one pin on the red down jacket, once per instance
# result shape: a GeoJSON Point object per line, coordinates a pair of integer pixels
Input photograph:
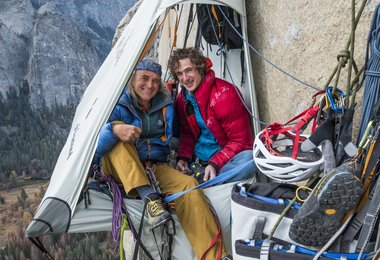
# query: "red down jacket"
{"type": "Point", "coordinates": [224, 114]}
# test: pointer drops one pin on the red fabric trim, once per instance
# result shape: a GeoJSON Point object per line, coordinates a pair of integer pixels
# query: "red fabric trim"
{"type": "Point", "coordinates": [218, 237]}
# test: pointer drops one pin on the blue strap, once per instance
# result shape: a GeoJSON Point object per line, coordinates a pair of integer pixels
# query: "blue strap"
{"type": "Point", "coordinates": [218, 179]}
{"type": "Point", "coordinates": [270, 200]}
{"type": "Point", "coordinates": [302, 250]}
{"type": "Point", "coordinates": [350, 256]}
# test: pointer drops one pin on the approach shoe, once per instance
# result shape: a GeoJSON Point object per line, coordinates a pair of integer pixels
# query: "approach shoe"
{"type": "Point", "coordinates": [320, 216]}
{"type": "Point", "coordinates": [156, 211]}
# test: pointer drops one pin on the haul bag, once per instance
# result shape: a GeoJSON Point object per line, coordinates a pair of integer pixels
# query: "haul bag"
{"type": "Point", "coordinates": [253, 217]}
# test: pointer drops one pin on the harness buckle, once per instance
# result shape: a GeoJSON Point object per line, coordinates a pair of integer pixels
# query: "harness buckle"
{"type": "Point", "coordinates": [95, 171]}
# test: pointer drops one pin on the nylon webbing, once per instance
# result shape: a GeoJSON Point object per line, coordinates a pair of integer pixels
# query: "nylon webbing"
{"type": "Point", "coordinates": [138, 237]}
{"type": "Point", "coordinates": [355, 225]}
{"type": "Point", "coordinates": [258, 229]}
{"type": "Point", "coordinates": [372, 158]}
{"type": "Point", "coordinates": [217, 180]}
{"type": "Point", "coordinates": [265, 248]}
{"type": "Point", "coordinates": [370, 219]}
{"type": "Point", "coordinates": [213, 11]}
{"type": "Point", "coordinates": [334, 237]}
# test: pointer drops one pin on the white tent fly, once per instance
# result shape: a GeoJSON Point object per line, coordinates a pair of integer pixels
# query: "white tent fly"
{"type": "Point", "coordinates": [61, 210]}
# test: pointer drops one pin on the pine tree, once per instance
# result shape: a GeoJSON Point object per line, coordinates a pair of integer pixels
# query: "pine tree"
{"type": "Point", "coordinates": [23, 194]}
{"type": "Point", "coordinates": [2, 200]}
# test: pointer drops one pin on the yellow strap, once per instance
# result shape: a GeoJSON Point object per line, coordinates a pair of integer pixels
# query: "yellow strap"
{"type": "Point", "coordinates": [151, 38]}
{"type": "Point", "coordinates": [169, 27]}
{"type": "Point", "coordinates": [368, 157]}
{"type": "Point", "coordinates": [213, 11]}
{"type": "Point", "coordinates": [175, 29]}
{"type": "Point", "coordinates": [367, 182]}
{"type": "Point", "coordinates": [123, 228]}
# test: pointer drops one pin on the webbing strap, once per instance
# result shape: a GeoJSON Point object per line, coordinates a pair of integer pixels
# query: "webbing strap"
{"type": "Point", "coordinates": [275, 128]}
{"type": "Point", "coordinates": [218, 179]}
{"type": "Point", "coordinates": [213, 11]}
{"type": "Point", "coordinates": [265, 248]}
{"type": "Point", "coordinates": [334, 237]}
{"type": "Point", "coordinates": [135, 235]}
{"type": "Point", "coordinates": [123, 227]}
{"type": "Point", "coordinates": [370, 219]}
{"type": "Point", "coordinates": [306, 251]}
{"type": "Point", "coordinates": [371, 158]}
{"type": "Point", "coordinates": [151, 38]}
{"type": "Point", "coordinates": [175, 31]}
{"type": "Point", "coordinates": [258, 229]}
{"type": "Point", "coordinates": [307, 114]}
{"type": "Point", "coordinates": [355, 225]}
{"type": "Point", "coordinates": [138, 237]}
{"type": "Point", "coordinates": [190, 20]}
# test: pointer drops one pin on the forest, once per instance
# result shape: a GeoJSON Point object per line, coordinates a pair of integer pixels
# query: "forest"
{"type": "Point", "coordinates": [16, 216]}
{"type": "Point", "coordinates": [30, 139]}
{"type": "Point", "coordinates": [30, 143]}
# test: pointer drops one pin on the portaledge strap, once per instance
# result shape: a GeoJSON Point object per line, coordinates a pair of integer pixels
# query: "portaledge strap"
{"type": "Point", "coordinates": [218, 179]}
{"type": "Point", "coordinates": [370, 219]}
{"type": "Point", "coordinates": [258, 230]}
{"type": "Point", "coordinates": [372, 156]}
{"type": "Point", "coordinates": [355, 225]}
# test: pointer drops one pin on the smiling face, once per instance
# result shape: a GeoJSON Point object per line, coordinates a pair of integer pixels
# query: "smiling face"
{"type": "Point", "coordinates": [146, 85]}
{"type": "Point", "coordinates": [188, 75]}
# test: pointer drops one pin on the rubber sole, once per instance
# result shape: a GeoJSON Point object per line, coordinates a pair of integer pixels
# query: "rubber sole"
{"type": "Point", "coordinates": [322, 213]}
{"type": "Point", "coordinates": [161, 222]}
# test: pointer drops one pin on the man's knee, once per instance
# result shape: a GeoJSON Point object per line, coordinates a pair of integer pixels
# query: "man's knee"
{"type": "Point", "coordinates": [189, 181]}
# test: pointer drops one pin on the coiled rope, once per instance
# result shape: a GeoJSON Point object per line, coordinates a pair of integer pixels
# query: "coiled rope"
{"type": "Point", "coordinates": [372, 72]}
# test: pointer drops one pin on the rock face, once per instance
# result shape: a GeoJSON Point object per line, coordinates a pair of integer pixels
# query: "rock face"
{"type": "Point", "coordinates": [303, 38]}
{"type": "Point", "coordinates": [55, 46]}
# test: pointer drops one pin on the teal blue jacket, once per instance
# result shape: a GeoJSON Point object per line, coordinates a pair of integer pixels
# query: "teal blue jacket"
{"type": "Point", "coordinates": [153, 146]}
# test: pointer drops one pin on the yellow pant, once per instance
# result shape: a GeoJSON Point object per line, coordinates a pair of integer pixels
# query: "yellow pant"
{"type": "Point", "coordinates": [192, 209]}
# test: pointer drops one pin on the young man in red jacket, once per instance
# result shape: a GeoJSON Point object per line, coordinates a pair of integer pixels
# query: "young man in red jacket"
{"type": "Point", "coordinates": [214, 124]}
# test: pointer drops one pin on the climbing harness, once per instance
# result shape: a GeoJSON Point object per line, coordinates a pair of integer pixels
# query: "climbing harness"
{"type": "Point", "coordinates": [276, 150]}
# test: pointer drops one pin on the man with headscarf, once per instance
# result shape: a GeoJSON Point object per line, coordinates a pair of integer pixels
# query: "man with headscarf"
{"type": "Point", "coordinates": [136, 136]}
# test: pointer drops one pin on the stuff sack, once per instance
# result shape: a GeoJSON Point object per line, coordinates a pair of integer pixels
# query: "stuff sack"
{"type": "Point", "coordinates": [215, 28]}
{"type": "Point", "coordinates": [254, 216]}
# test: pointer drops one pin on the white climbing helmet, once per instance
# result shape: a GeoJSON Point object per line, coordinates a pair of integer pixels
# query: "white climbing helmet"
{"type": "Point", "coordinates": [277, 153]}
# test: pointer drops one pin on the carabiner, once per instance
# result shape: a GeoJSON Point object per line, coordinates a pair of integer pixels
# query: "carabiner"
{"type": "Point", "coordinates": [333, 102]}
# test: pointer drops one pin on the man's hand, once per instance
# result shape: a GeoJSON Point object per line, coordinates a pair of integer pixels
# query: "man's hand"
{"type": "Point", "coordinates": [126, 133]}
{"type": "Point", "coordinates": [183, 167]}
{"type": "Point", "coordinates": [210, 173]}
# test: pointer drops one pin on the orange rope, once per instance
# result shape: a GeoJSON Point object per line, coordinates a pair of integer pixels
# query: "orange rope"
{"type": "Point", "coordinates": [151, 38]}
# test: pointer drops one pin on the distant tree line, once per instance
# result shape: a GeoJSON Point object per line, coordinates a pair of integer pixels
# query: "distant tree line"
{"type": "Point", "coordinates": [97, 245]}
{"type": "Point", "coordinates": [30, 140]}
